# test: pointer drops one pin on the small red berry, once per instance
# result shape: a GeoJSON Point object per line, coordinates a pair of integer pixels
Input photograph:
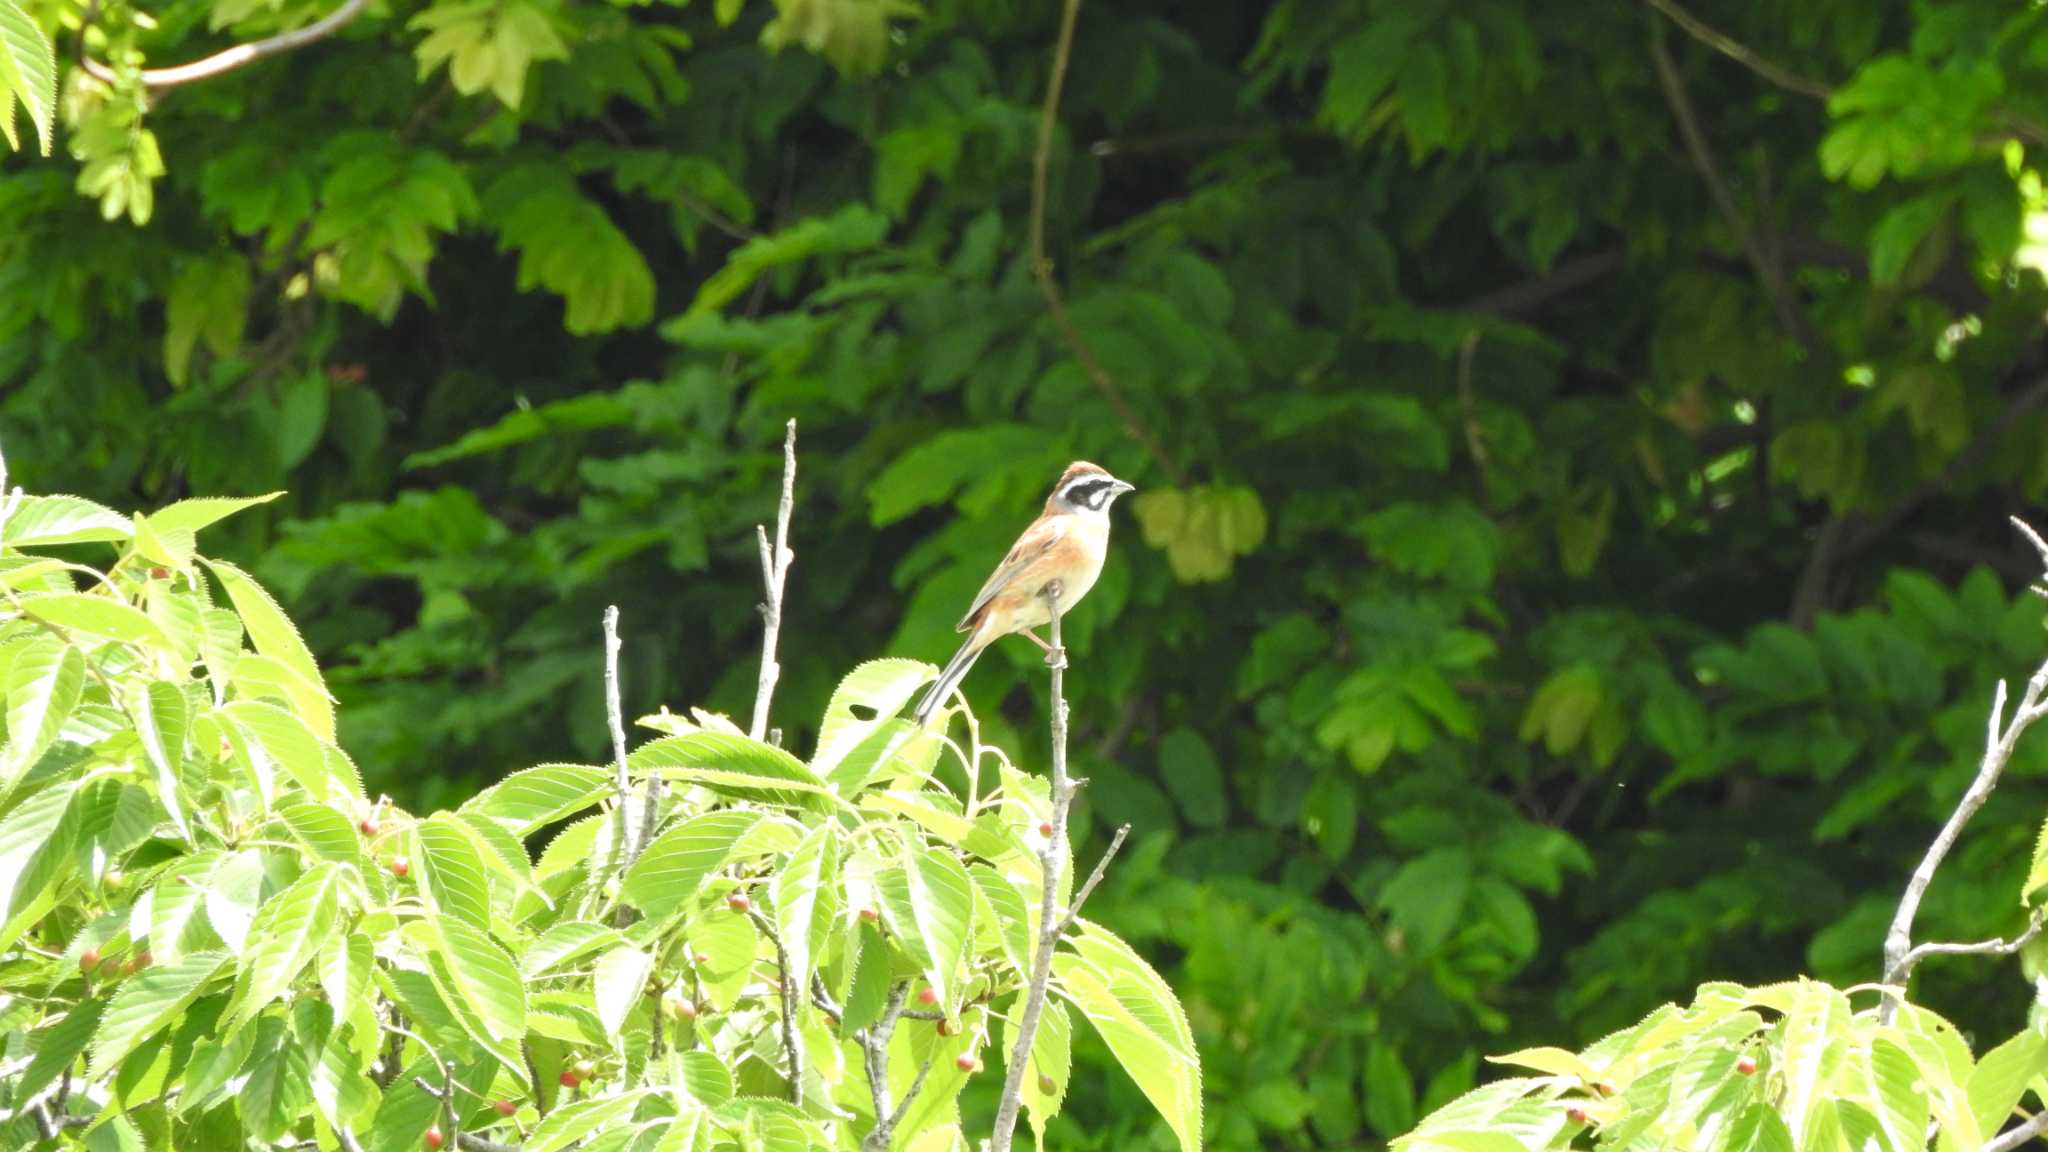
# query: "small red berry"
{"type": "Point", "coordinates": [1603, 1088]}
{"type": "Point", "coordinates": [1745, 1064]}
{"type": "Point", "coordinates": [159, 573]}
{"type": "Point", "coordinates": [400, 866]}
{"type": "Point", "coordinates": [435, 1139]}
{"type": "Point", "coordinates": [569, 1079]}
{"type": "Point", "coordinates": [947, 1027]}
{"type": "Point", "coordinates": [1045, 829]}
{"type": "Point", "coordinates": [680, 1006]}
{"type": "Point", "coordinates": [585, 1069]}
{"type": "Point", "coordinates": [369, 827]}
{"type": "Point", "coordinates": [738, 902]}
{"type": "Point", "coordinates": [88, 959]}
{"type": "Point", "coordinates": [505, 1107]}
{"type": "Point", "coordinates": [966, 1062]}
{"type": "Point", "coordinates": [1575, 1114]}
{"type": "Point", "coordinates": [140, 960]}
{"type": "Point", "coordinates": [927, 995]}
{"type": "Point", "coordinates": [702, 957]}
{"type": "Point", "coordinates": [870, 915]}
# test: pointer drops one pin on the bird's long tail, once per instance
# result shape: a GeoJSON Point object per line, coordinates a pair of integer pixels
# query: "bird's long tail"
{"type": "Point", "coordinates": [956, 668]}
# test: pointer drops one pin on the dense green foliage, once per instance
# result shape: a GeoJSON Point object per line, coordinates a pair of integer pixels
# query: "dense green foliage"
{"type": "Point", "coordinates": [212, 937]}
{"type": "Point", "coordinates": [1572, 562]}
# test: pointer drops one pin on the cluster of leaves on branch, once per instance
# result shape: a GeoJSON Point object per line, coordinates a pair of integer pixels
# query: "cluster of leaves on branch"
{"type": "Point", "coordinates": [1575, 443]}
{"type": "Point", "coordinates": [212, 937]}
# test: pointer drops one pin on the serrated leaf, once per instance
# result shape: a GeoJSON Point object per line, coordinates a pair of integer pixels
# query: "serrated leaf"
{"type": "Point", "coordinates": [572, 1122]}
{"type": "Point", "coordinates": [325, 832]}
{"type": "Point", "coordinates": [203, 511]}
{"type": "Point", "coordinates": [290, 929]}
{"type": "Point", "coordinates": [1889, 1086]}
{"type": "Point", "coordinates": [617, 982]}
{"type": "Point", "coordinates": [1555, 1061]}
{"type": "Point", "coordinates": [44, 684]}
{"type": "Point", "coordinates": [28, 72]}
{"type": "Point", "coordinates": [148, 1001]}
{"type": "Point", "coordinates": [566, 941]}
{"type": "Point", "coordinates": [670, 871]}
{"type": "Point", "coordinates": [210, 300]}
{"type": "Point", "coordinates": [32, 840]}
{"type": "Point", "coordinates": [233, 892]}
{"type": "Point", "coordinates": [286, 742]}
{"type": "Point", "coordinates": [804, 893]}
{"type": "Point", "coordinates": [274, 635]}
{"type": "Point", "coordinates": [1012, 918]}
{"type": "Point", "coordinates": [928, 901]}
{"type": "Point", "coordinates": [57, 1047]}
{"type": "Point", "coordinates": [452, 870]}
{"type": "Point", "coordinates": [99, 616]}
{"type": "Point", "coordinates": [524, 801]}
{"type": "Point", "coordinates": [162, 717]}
{"type": "Point", "coordinates": [486, 979]}
{"type": "Point", "coordinates": [2001, 1078]}
{"type": "Point", "coordinates": [733, 766]}
{"type": "Point", "coordinates": [1138, 1016]}
{"type": "Point", "coordinates": [863, 704]}
{"type": "Point", "coordinates": [42, 521]}
{"type": "Point", "coordinates": [1051, 1060]}
{"type": "Point", "coordinates": [345, 968]}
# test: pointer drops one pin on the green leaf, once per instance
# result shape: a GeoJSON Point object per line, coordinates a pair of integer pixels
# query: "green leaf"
{"type": "Point", "coordinates": [1999, 1080]}
{"type": "Point", "coordinates": [2037, 872]}
{"type": "Point", "coordinates": [43, 521]}
{"type": "Point", "coordinates": [672, 868]}
{"type": "Point", "coordinates": [452, 870]}
{"type": "Point", "coordinates": [1815, 1022]}
{"type": "Point", "coordinates": [1889, 1086]}
{"type": "Point", "coordinates": [326, 833]}
{"type": "Point", "coordinates": [1138, 1017]}
{"type": "Point", "coordinates": [1051, 1060]}
{"type": "Point", "coordinates": [33, 842]}
{"type": "Point", "coordinates": [485, 978]}
{"type": "Point", "coordinates": [274, 635]}
{"type": "Point", "coordinates": [617, 983]}
{"type": "Point", "coordinates": [805, 895]}
{"type": "Point", "coordinates": [572, 1122]}
{"type": "Point", "coordinates": [44, 684]}
{"type": "Point", "coordinates": [856, 728]}
{"type": "Point", "coordinates": [99, 616]}
{"type": "Point", "coordinates": [201, 511]}
{"type": "Point", "coordinates": [566, 941]}
{"type": "Point", "coordinates": [289, 930]}
{"type": "Point", "coordinates": [58, 1045]}
{"type": "Point", "coordinates": [148, 1002]}
{"type": "Point", "coordinates": [1554, 1061]}
{"type": "Point", "coordinates": [28, 74]}
{"type": "Point", "coordinates": [1389, 1090]}
{"type": "Point", "coordinates": [285, 742]}
{"type": "Point", "coordinates": [1426, 897]}
{"type": "Point", "coordinates": [733, 766]}
{"type": "Point", "coordinates": [1192, 775]}
{"type": "Point", "coordinates": [854, 228]}
{"type": "Point", "coordinates": [928, 901]}
{"type": "Point", "coordinates": [567, 245]}
{"type": "Point", "coordinates": [210, 301]}
{"type": "Point", "coordinates": [525, 801]}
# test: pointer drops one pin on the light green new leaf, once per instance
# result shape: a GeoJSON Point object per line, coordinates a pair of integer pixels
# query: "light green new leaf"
{"type": "Point", "coordinates": [928, 901]}
{"type": "Point", "coordinates": [564, 942]}
{"type": "Point", "coordinates": [733, 766]}
{"type": "Point", "coordinates": [290, 929]}
{"type": "Point", "coordinates": [1889, 1086]}
{"type": "Point", "coordinates": [2001, 1078]}
{"type": "Point", "coordinates": [147, 1002]}
{"type": "Point", "coordinates": [29, 848]}
{"type": "Point", "coordinates": [486, 979]}
{"type": "Point", "coordinates": [541, 795]}
{"type": "Point", "coordinates": [265, 731]}
{"type": "Point", "coordinates": [1555, 1061]}
{"type": "Point", "coordinates": [568, 245]}
{"type": "Point", "coordinates": [805, 895]}
{"type": "Point", "coordinates": [47, 520]}
{"type": "Point", "coordinates": [202, 511]}
{"type": "Point", "coordinates": [572, 1122]}
{"type": "Point", "coordinates": [274, 635]}
{"type": "Point", "coordinates": [452, 870]}
{"type": "Point", "coordinates": [1137, 1015]}
{"type": "Point", "coordinates": [1002, 912]}
{"type": "Point", "coordinates": [1051, 1059]}
{"type": "Point", "coordinates": [162, 717]}
{"type": "Point", "coordinates": [672, 868]}
{"type": "Point", "coordinates": [325, 832]}
{"type": "Point", "coordinates": [860, 711]}
{"type": "Point", "coordinates": [100, 616]}
{"type": "Point", "coordinates": [43, 686]}
{"type": "Point", "coordinates": [617, 983]}
{"type": "Point", "coordinates": [2037, 873]}
{"type": "Point", "coordinates": [345, 967]}
{"type": "Point", "coordinates": [233, 892]}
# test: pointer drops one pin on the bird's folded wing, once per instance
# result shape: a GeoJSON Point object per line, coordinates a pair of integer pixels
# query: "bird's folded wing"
{"type": "Point", "coordinates": [1030, 548]}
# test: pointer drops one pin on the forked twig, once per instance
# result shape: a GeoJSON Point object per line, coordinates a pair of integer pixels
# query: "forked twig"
{"type": "Point", "coordinates": [774, 571]}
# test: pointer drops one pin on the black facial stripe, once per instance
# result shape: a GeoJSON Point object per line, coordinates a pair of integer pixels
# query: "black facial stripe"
{"type": "Point", "coordinates": [1089, 493]}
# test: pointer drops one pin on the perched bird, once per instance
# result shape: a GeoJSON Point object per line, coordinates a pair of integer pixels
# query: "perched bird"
{"type": "Point", "coordinates": [1064, 546]}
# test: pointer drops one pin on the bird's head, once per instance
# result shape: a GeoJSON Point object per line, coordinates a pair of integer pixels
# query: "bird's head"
{"type": "Point", "coordinates": [1086, 487]}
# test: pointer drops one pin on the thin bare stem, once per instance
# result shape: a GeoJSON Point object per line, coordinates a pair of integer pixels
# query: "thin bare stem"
{"type": "Point", "coordinates": [230, 59]}
{"type": "Point", "coordinates": [2006, 1142]}
{"type": "Point", "coordinates": [874, 1043]}
{"type": "Point", "coordinates": [786, 991]}
{"type": "Point", "coordinates": [2000, 738]}
{"type": "Point", "coordinates": [615, 716]}
{"type": "Point", "coordinates": [2000, 947]}
{"type": "Point", "coordinates": [1735, 50]}
{"type": "Point", "coordinates": [1050, 922]}
{"type": "Point", "coordinates": [774, 570]}
{"type": "Point", "coordinates": [1088, 887]}
{"type": "Point", "coordinates": [1041, 264]}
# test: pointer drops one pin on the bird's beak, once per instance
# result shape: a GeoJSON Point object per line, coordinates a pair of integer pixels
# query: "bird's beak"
{"type": "Point", "coordinates": [1122, 487]}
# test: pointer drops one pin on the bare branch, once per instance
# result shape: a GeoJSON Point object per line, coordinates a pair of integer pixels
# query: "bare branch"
{"type": "Point", "coordinates": [625, 850]}
{"type": "Point", "coordinates": [1041, 264]}
{"type": "Point", "coordinates": [1050, 922]}
{"type": "Point", "coordinates": [2000, 738]}
{"type": "Point", "coordinates": [1088, 887]}
{"type": "Point", "coordinates": [789, 994]}
{"type": "Point", "coordinates": [2006, 1142]}
{"type": "Point", "coordinates": [2001, 947]}
{"type": "Point", "coordinates": [232, 58]}
{"type": "Point", "coordinates": [1728, 46]}
{"type": "Point", "coordinates": [774, 570]}
{"type": "Point", "coordinates": [874, 1043]}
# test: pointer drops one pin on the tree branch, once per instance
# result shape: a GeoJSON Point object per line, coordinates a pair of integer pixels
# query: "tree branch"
{"type": "Point", "coordinates": [1088, 888]}
{"type": "Point", "coordinates": [626, 850]}
{"type": "Point", "coordinates": [232, 58]}
{"type": "Point", "coordinates": [1732, 48]}
{"type": "Point", "coordinates": [874, 1043]}
{"type": "Point", "coordinates": [2006, 1142]}
{"type": "Point", "coordinates": [2000, 738]}
{"type": "Point", "coordinates": [789, 994]}
{"type": "Point", "coordinates": [1911, 960]}
{"type": "Point", "coordinates": [1041, 264]}
{"type": "Point", "coordinates": [774, 570]}
{"type": "Point", "coordinates": [1050, 857]}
